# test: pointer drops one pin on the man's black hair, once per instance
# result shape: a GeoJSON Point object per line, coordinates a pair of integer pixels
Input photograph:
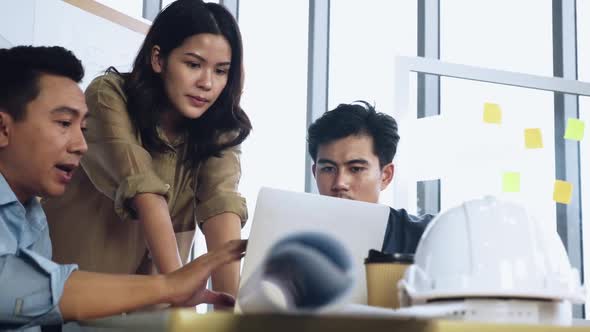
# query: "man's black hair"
{"type": "Point", "coordinates": [20, 70]}
{"type": "Point", "coordinates": [358, 118]}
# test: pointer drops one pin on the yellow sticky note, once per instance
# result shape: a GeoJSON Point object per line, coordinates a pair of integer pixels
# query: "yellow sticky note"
{"type": "Point", "coordinates": [511, 182]}
{"type": "Point", "coordinates": [574, 129]}
{"type": "Point", "coordinates": [562, 192]}
{"type": "Point", "coordinates": [492, 113]}
{"type": "Point", "coordinates": [533, 138]}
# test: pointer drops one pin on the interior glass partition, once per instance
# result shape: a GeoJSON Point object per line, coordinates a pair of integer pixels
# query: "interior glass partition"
{"type": "Point", "coordinates": [365, 38]}
{"type": "Point", "coordinates": [498, 34]}
{"type": "Point", "coordinates": [487, 152]}
{"type": "Point", "coordinates": [583, 47]}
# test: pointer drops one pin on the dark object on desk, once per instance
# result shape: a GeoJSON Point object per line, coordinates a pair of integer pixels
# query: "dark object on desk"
{"type": "Point", "coordinates": [51, 328]}
{"type": "Point", "coordinates": [404, 231]}
{"type": "Point", "coordinates": [376, 256]}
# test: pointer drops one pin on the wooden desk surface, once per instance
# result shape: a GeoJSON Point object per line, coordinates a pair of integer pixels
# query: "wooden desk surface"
{"type": "Point", "coordinates": [180, 320]}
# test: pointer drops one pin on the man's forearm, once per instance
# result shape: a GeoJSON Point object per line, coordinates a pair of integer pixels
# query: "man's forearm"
{"type": "Point", "coordinates": [219, 230]}
{"type": "Point", "coordinates": [90, 295]}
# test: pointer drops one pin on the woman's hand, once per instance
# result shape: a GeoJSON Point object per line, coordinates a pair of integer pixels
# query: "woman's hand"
{"type": "Point", "coordinates": [187, 286]}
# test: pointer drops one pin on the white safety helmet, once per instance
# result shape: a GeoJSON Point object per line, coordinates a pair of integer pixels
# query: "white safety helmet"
{"type": "Point", "coordinates": [488, 248]}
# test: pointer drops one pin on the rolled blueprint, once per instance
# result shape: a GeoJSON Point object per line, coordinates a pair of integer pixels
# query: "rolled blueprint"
{"type": "Point", "coordinates": [305, 272]}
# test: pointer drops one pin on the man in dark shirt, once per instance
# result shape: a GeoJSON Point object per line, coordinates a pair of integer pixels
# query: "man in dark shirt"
{"type": "Point", "coordinates": [352, 148]}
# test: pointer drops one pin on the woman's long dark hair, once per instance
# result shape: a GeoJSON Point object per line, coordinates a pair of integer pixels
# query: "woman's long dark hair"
{"type": "Point", "coordinates": [147, 99]}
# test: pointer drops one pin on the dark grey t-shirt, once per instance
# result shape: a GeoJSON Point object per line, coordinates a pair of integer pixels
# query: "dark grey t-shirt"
{"type": "Point", "coordinates": [404, 231]}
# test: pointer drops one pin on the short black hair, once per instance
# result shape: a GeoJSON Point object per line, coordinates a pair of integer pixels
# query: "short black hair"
{"type": "Point", "coordinates": [358, 118]}
{"type": "Point", "coordinates": [20, 70]}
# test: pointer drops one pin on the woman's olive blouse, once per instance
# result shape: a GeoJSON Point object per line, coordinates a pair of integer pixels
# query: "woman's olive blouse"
{"type": "Point", "coordinates": [93, 224]}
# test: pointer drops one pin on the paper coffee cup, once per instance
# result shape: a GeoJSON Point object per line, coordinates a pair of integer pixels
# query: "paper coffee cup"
{"type": "Point", "coordinates": [383, 271]}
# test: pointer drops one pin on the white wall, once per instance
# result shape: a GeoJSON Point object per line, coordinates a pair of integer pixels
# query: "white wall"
{"type": "Point", "coordinates": [4, 43]}
{"type": "Point", "coordinates": [133, 8]}
{"type": "Point", "coordinates": [98, 42]}
{"type": "Point", "coordinates": [17, 21]}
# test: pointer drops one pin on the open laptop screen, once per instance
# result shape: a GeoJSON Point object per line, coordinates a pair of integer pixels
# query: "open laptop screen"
{"type": "Point", "coordinates": [357, 225]}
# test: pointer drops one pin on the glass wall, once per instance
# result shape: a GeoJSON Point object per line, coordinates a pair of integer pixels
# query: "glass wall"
{"type": "Point", "coordinates": [583, 45]}
{"type": "Point", "coordinates": [275, 62]}
{"type": "Point", "coordinates": [472, 158]}
{"type": "Point", "coordinates": [477, 155]}
{"type": "Point", "coordinates": [365, 37]}
{"type": "Point", "coordinates": [498, 34]}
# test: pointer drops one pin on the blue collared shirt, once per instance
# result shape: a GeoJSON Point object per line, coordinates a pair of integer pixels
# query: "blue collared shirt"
{"type": "Point", "coordinates": [31, 284]}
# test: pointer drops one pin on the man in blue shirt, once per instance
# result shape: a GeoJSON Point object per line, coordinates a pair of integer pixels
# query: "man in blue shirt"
{"type": "Point", "coordinates": [352, 148]}
{"type": "Point", "coordinates": [42, 118]}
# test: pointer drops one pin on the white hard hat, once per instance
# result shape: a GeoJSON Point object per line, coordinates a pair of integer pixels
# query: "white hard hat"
{"type": "Point", "coordinates": [488, 248]}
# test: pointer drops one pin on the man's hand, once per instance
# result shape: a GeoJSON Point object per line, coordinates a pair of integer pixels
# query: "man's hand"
{"type": "Point", "coordinates": [89, 295]}
{"type": "Point", "coordinates": [187, 286]}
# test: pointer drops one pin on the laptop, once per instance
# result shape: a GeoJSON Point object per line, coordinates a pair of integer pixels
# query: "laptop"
{"type": "Point", "coordinates": [359, 226]}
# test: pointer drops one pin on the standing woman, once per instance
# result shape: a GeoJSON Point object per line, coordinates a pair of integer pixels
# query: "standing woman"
{"type": "Point", "coordinates": [164, 146]}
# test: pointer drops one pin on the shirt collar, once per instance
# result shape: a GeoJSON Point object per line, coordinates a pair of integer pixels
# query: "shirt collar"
{"type": "Point", "coordinates": [32, 208]}
{"type": "Point", "coordinates": [179, 140]}
{"type": "Point", "coordinates": [7, 196]}
{"type": "Point", "coordinates": [35, 214]}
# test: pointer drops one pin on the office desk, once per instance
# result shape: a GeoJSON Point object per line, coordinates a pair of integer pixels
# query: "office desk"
{"type": "Point", "coordinates": [180, 320]}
